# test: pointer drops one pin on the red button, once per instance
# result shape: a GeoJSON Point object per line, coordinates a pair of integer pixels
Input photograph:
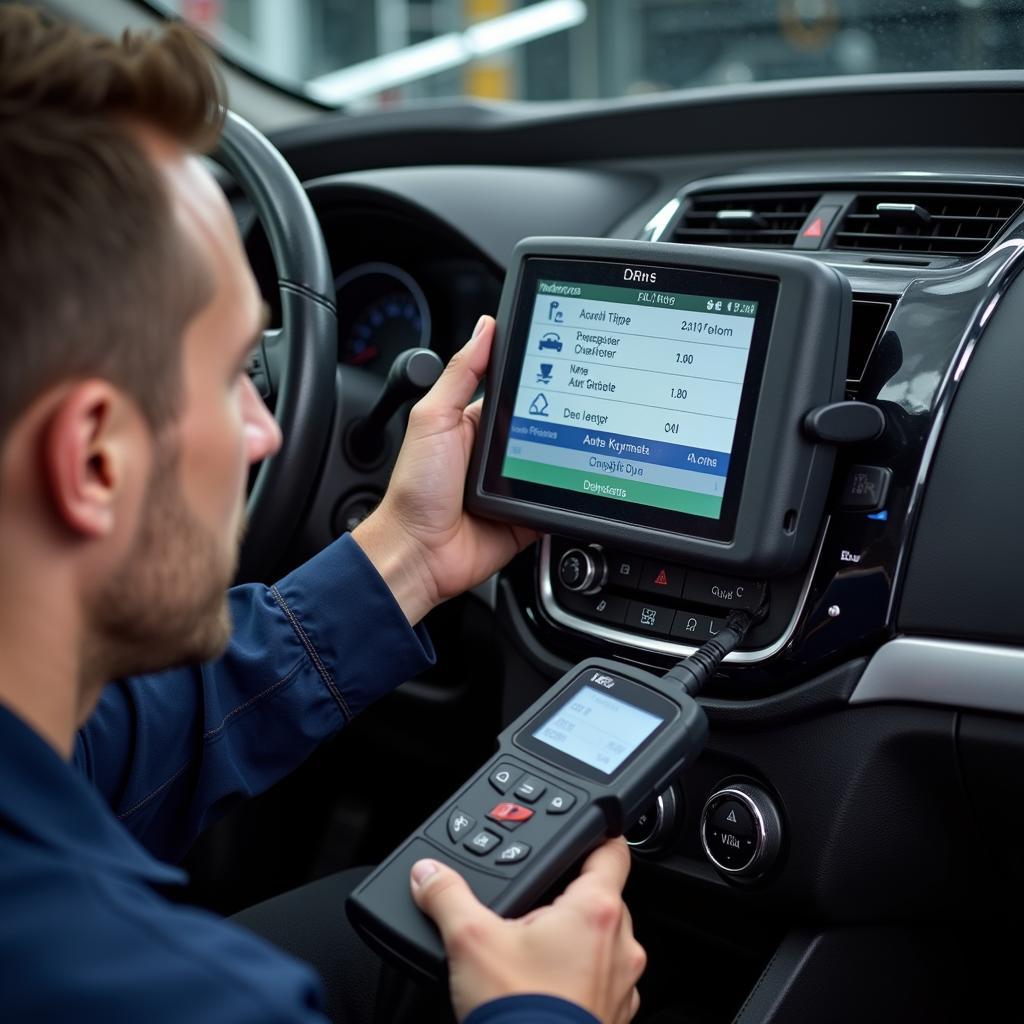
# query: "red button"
{"type": "Point", "coordinates": [510, 812]}
{"type": "Point", "coordinates": [661, 578]}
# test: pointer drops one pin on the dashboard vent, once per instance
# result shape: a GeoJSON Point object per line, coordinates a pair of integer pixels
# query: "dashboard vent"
{"type": "Point", "coordinates": [942, 223]}
{"type": "Point", "coordinates": [769, 218]}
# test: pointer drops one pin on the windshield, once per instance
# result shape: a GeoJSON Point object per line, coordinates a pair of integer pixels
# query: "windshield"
{"type": "Point", "coordinates": [367, 54]}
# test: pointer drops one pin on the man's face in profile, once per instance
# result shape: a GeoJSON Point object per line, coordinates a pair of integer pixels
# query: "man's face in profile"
{"type": "Point", "coordinates": [166, 602]}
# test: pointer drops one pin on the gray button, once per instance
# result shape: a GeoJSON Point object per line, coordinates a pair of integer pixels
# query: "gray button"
{"type": "Point", "coordinates": [512, 854]}
{"type": "Point", "coordinates": [483, 842]}
{"type": "Point", "coordinates": [530, 789]}
{"type": "Point", "coordinates": [559, 802]}
{"type": "Point", "coordinates": [504, 777]}
{"type": "Point", "coordinates": [459, 825]}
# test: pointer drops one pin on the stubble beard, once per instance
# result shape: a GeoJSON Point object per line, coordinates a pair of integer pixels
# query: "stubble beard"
{"type": "Point", "coordinates": [167, 604]}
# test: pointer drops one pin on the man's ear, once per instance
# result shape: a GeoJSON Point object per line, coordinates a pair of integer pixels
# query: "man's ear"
{"type": "Point", "coordinates": [90, 450]}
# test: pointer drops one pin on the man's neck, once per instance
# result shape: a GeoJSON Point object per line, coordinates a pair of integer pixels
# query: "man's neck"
{"type": "Point", "coordinates": [40, 676]}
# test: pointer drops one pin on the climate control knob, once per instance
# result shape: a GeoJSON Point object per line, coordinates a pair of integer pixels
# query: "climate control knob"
{"type": "Point", "coordinates": [740, 830]}
{"type": "Point", "coordinates": [582, 570]}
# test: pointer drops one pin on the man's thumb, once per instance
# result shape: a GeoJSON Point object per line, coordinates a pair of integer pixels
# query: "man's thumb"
{"type": "Point", "coordinates": [443, 895]}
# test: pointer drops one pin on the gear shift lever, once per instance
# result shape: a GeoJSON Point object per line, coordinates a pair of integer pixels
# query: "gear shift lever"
{"type": "Point", "coordinates": [412, 375]}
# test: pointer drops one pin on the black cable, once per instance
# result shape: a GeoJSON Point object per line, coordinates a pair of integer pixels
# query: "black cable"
{"type": "Point", "coordinates": [693, 673]}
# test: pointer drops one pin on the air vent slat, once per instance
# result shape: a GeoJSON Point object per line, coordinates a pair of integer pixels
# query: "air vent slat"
{"type": "Point", "coordinates": [945, 223]}
{"type": "Point", "coordinates": [776, 218]}
{"type": "Point", "coordinates": [934, 216]}
{"type": "Point", "coordinates": [909, 237]}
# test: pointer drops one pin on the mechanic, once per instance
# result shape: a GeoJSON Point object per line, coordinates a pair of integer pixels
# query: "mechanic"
{"type": "Point", "coordinates": [127, 427]}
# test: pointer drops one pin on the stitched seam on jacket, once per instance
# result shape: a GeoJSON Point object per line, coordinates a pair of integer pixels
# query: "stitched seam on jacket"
{"type": "Point", "coordinates": [210, 734]}
{"type": "Point", "coordinates": [321, 668]}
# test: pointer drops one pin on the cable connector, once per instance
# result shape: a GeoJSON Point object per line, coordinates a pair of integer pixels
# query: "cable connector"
{"type": "Point", "coordinates": [693, 673]}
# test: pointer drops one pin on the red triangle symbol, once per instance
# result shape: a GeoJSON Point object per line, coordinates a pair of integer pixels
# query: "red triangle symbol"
{"type": "Point", "coordinates": [815, 229]}
{"type": "Point", "coordinates": [661, 580]}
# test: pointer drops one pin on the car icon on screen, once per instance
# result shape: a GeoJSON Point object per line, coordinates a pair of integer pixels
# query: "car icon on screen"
{"type": "Point", "coordinates": [550, 341]}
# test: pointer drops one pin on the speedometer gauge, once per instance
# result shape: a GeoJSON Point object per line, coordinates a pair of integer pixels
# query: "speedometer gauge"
{"type": "Point", "coordinates": [381, 311]}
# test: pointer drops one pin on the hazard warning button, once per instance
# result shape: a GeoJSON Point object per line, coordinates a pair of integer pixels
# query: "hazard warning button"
{"type": "Point", "coordinates": [815, 228]}
{"type": "Point", "coordinates": [661, 578]}
{"type": "Point", "coordinates": [733, 818]}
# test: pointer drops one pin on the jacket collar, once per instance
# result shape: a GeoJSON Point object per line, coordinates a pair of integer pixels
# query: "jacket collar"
{"type": "Point", "coordinates": [44, 798]}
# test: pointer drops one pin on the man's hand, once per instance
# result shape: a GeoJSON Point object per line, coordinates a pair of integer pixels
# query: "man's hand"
{"type": "Point", "coordinates": [580, 948]}
{"type": "Point", "coordinates": [420, 539]}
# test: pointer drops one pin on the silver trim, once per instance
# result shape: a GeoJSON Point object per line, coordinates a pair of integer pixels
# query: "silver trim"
{"type": "Point", "coordinates": [947, 673]}
{"type": "Point", "coordinates": [999, 283]}
{"type": "Point", "coordinates": [659, 824]}
{"type": "Point", "coordinates": [762, 830]}
{"type": "Point", "coordinates": [657, 225]}
{"type": "Point", "coordinates": [650, 643]}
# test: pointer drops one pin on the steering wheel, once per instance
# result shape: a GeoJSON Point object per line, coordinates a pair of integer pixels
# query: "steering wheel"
{"type": "Point", "coordinates": [305, 348]}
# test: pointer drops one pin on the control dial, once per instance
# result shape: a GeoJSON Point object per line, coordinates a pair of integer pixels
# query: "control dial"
{"type": "Point", "coordinates": [657, 823]}
{"type": "Point", "coordinates": [740, 830]}
{"type": "Point", "coordinates": [583, 570]}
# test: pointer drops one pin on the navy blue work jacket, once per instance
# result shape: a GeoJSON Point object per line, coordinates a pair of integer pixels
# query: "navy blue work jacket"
{"type": "Point", "coordinates": [85, 934]}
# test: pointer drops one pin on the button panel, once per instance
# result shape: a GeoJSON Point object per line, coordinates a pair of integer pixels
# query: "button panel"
{"type": "Point", "coordinates": [688, 606]}
{"type": "Point", "coordinates": [504, 817]}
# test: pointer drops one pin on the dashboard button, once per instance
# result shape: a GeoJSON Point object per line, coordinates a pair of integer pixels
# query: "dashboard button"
{"type": "Point", "coordinates": [651, 618]}
{"type": "Point", "coordinates": [661, 578]}
{"type": "Point", "coordinates": [813, 232]}
{"type": "Point", "coordinates": [733, 817]}
{"type": "Point", "coordinates": [600, 607]}
{"type": "Point", "coordinates": [623, 569]}
{"type": "Point", "coordinates": [723, 591]}
{"type": "Point", "coordinates": [695, 627]}
{"type": "Point", "coordinates": [866, 488]}
{"type": "Point", "coordinates": [740, 830]}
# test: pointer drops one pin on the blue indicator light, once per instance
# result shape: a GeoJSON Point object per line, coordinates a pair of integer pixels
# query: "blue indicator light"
{"type": "Point", "coordinates": [880, 516]}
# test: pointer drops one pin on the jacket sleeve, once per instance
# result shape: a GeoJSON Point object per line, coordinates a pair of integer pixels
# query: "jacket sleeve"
{"type": "Point", "coordinates": [173, 751]}
{"type": "Point", "coordinates": [530, 1010]}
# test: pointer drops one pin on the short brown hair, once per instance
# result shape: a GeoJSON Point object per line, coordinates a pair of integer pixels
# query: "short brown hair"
{"type": "Point", "coordinates": [95, 277]}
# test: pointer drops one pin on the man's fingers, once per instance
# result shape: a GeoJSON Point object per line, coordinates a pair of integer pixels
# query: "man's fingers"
{"type": "Point", "coordinates": [455, 387]}
{"type": "Point", "coordinates": [443, 895]}
{"type": "Point", "coordinates": [609, 864]}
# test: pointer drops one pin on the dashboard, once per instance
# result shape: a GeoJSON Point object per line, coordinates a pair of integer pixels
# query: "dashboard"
{"type": "Point", "coordinates": [874, 716]}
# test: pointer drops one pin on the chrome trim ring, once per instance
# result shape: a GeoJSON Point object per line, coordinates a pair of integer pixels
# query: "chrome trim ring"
{"type": "Point", "coordinates": [762, 831]}
{"type": "Point", "coordinates": [659, 823]}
